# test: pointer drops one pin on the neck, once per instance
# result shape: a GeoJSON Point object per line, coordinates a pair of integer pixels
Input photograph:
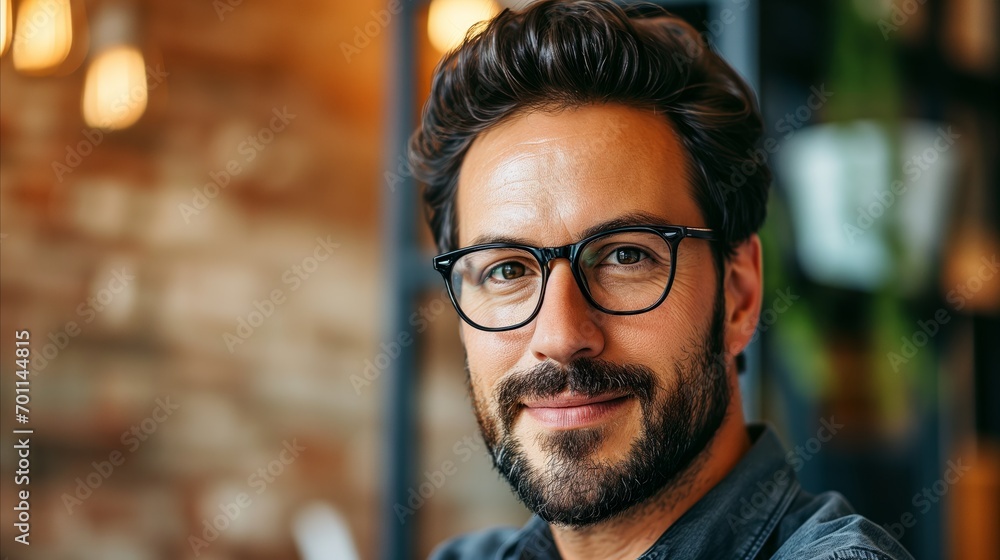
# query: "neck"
{"type": "Point", "coordinates": [629, 535]}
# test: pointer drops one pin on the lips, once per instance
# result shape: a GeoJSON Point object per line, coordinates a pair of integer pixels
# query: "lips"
{"type": "Point", "coordinates": [569, 400]}
{"type": "Point", "coordinates": [572, 411]}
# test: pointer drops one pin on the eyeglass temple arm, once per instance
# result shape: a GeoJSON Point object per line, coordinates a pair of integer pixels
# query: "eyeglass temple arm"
{"type": "Point", "coordinates": [699, 233]}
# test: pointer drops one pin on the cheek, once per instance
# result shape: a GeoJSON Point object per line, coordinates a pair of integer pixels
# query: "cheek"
{"type": "Point", "coordinates": [491, 355]}
{"type": "Point", "coordinates": [665, 335]}
{"type": "Point", "coordinates": [688, 307]}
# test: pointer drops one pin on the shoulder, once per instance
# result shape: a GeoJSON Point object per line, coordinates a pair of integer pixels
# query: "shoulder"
{"type": "Point", "coordinates": [481, 545]}
{"type": "Point", "coordinates": [825, 527]}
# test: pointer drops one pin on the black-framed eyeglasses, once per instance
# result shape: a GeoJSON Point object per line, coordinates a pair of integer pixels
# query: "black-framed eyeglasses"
{"type": "Point", "coordinates": [622, 271]}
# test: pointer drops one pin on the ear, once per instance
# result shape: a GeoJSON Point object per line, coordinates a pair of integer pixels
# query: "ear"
{"type": "Point", "coordinates": [743, 287]}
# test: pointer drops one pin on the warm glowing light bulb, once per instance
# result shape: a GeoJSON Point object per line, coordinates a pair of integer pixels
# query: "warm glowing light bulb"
{"type": "Point", "coordinates": [449, 20]}
{"type": "Point", "coordinates": [44, 35]}
{"type": "Point", "coordinates": [115, 93]}
{"type": "Point", "coordinates": [6, 25]}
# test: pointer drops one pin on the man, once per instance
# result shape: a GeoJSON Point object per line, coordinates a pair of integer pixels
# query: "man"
{"type": "Point", "coordinates": [576, 157]}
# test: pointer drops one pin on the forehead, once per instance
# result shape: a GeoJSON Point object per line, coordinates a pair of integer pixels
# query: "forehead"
{"type": "Point", "coordinates": [545, 177]}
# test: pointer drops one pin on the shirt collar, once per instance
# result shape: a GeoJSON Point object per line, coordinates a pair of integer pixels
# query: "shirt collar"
{"type": "Point", "coordinates": [734, 519]}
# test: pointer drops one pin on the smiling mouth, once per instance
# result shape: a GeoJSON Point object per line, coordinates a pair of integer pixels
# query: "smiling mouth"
{"type": "Point", "coordinates": [571, 411]}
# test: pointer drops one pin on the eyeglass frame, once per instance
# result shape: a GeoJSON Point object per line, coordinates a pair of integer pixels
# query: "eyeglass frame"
{"type": "Point", "coordinates": [671, 234]}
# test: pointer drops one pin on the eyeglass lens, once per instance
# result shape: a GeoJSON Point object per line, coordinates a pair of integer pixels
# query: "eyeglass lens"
{"type": "Point", "coordinates": [623, 272]}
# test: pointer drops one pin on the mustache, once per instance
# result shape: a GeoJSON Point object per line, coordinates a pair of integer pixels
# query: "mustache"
{"type": "Point", "coordinates": [586, 376]}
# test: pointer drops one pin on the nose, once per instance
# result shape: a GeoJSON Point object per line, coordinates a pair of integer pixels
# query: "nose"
{"type": "Point", "coordinates": [566, 327]}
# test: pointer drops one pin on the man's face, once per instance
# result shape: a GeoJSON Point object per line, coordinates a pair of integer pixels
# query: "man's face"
{"type": "Point", "coordinates": [587, 414]}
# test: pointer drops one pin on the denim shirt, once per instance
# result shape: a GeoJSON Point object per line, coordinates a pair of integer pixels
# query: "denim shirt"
{"type": "Point", "coordinates": [757, 511]}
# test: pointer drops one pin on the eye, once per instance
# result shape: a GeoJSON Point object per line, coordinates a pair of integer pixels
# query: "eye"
{"type": "Point", "coordinates": [507, 271]}
{"type": "Point", "coordinates": [627, 255]}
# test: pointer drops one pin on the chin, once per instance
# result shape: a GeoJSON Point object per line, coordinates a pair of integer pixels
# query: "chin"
{"type": "Point", "coordinates": [598, 446]}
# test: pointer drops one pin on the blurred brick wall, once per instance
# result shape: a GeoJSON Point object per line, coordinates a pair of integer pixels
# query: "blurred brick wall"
{"type": "Point", "coordinates": [111, 259]}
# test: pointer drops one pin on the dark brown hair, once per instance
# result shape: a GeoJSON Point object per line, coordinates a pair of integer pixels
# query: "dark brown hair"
{"type": "Point", "coordinates": [558, 54]}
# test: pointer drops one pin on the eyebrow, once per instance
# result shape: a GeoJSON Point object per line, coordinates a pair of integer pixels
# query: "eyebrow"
{"type": "Point", "coordinates": [637, 218]}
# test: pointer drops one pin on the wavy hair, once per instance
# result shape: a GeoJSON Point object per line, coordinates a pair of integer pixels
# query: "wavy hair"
{"type": "Point", "coordinates": [561, 54]}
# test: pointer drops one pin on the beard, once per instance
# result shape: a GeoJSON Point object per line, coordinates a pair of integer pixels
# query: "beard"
{"type": "Point", "coordinates": [573, 487]}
